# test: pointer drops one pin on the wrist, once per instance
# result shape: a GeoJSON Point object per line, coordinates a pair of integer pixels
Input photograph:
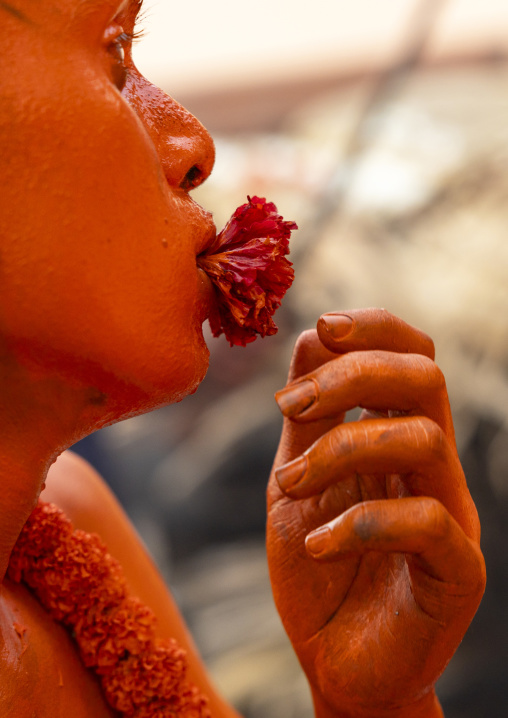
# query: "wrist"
{"type": "Point", "coordinates": [426, 707]}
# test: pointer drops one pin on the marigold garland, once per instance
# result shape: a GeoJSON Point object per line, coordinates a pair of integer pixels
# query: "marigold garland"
{"type": "Point", "coordinates": [81, 585]}
{"type": "Point", "coordinates": [249, 271]}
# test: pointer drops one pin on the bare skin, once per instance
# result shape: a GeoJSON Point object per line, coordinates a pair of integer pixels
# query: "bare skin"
{"type": "Point", "coordinates": [77, 488]}
{"type": "Point", "coordinates": [370, 523]}
{"type": "Point", "coordinates": [99, 268]}
{"type": "Point", "coordinates": [100, 319]}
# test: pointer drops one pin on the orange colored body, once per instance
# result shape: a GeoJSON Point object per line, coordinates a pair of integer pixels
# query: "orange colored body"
{"type": "Point", "coordinates": [100, 319]}
{"type": "Point", "coordinates": [370, 523]}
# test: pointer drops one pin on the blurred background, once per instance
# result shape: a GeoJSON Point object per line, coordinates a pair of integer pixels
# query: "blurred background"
{"type": "Point", "coordinates": [382, 129]}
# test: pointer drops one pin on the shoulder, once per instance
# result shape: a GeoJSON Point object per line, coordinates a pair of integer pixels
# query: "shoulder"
{"type": "Point", "coordinates": [75, 487]}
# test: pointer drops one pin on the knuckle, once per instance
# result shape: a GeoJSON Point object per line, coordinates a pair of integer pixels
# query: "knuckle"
{"type": "Point", "coordinates": [434, 437]}
{"type": "Point", "coordinates": [385, 316]}
{"type": "Point", "coordinates": [303, 340]}
{"type": "Point", "coordinates": [352, 367]}
{"type": "Point", "coordinates": [364, 523]}
{"type": "Point", "coordinates": [302, 360]}
{"type": "Point", "coordinates": [437, 376]}
{"type": "Point", "coordinates": [431, 345]}
{"type": "Point", "coordinates": [434, 375]}
{"type": "Point", "coordinates": [482, 571]}
{"type": "Point", "coordinates": [342, 442]}
{"type": "Point", "coordinates": [437, 518]}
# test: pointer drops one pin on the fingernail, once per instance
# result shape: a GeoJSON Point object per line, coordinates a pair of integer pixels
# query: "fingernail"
{"type": "Point", "coordinates": [292, 400]}
{"type": "Point", "coordinates": [338, 326]}
{"type": "Point", "coordinates": [319, 540]}
{"type": "Point", "coordinates": [292, 473]}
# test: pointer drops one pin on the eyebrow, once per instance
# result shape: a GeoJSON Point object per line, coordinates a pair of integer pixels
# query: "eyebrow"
{"type": "Point", "coordinates": [13, 11]}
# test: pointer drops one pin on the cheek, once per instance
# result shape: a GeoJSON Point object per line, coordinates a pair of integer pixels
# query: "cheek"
{"type": "Point", "coordinates": [99, 279]}
{"type": "Point", "coordinates": [137, 342]}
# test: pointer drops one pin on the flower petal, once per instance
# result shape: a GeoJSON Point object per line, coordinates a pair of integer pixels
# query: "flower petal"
{"type": "Point", "coordinates": [250, 273]}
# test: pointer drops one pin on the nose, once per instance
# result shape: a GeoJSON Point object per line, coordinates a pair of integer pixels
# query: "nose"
{"type": "Point", "coordinates": [184, 146]}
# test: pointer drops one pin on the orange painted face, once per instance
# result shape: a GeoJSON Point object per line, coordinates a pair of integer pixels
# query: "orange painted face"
{"type": "Point", "coordinates": [99, 234]}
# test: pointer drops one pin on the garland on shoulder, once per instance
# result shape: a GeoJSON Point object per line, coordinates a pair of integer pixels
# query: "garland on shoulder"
{"type": "Point", "coordinates": [82, 586]}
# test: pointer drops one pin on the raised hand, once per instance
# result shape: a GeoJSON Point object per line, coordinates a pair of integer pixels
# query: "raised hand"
{"type": "Point", "coordinates": [373, 538]}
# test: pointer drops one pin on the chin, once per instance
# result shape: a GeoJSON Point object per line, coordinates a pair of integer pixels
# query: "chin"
{"type": "Point", "coordinates": [188, 371]}
{"type": "Point", "coordinates": [157, 381]}
{"type": "Point", "coordinates": [130, 379]}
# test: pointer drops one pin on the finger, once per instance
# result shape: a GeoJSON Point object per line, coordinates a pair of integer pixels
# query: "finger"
{"type": "Point", "coordinates": [308, 354]}
{"type": "Point", "coordinates": [374, 380]}
{"type": "Point", "coordinates": [420, 527]}
{"type": "Point", "coordinates": [414, 447]}
{"type": "Point", "coordinates": [365, 329]}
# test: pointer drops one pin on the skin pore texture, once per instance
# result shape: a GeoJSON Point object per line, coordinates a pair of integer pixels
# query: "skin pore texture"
{"type": "Point", "coordinates": [100, 319]}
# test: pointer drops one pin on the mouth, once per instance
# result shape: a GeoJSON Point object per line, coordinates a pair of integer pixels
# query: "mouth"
{"type": "Point", "coordinates": [206, 296]}
{"type": "Point", "coordinates": [206, 292]}
{"type": "Point", "coordinates": [208, 237]}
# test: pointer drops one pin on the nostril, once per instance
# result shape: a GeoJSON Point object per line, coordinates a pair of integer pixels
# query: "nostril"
{"type": "Point", "coordinates": [192, 179]}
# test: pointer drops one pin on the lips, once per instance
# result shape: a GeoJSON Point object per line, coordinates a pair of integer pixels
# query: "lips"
{"type": "Point", "coordinates": [206, 296]}
{"type": "Point", "coordinates": [206, 299]}
{"type": "Point", "coordinates": [208, 235]}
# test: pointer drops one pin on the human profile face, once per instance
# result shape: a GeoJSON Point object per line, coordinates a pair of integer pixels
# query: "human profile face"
{"type": "Point", "coordinates": [99, 233]}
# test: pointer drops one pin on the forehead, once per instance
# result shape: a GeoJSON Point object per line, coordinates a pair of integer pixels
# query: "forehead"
{"type": "Point", "coordinates": [34, 10]}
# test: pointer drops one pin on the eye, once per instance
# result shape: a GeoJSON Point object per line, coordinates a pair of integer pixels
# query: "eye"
{"type": "Point", "coordinates": [115, 42]}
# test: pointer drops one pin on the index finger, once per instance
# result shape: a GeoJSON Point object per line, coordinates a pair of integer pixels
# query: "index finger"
{"type": "Point", "coordinates": [308, 354]}
{"type": "Point", "coordinates": [367, 329]}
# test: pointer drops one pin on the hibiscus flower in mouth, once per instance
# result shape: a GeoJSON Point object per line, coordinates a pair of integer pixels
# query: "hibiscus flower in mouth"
{"type": "Point", "coordinates": [249, 271]}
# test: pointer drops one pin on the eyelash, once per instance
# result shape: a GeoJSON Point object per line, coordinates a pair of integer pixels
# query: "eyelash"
{"type": "Point", "coordinates": [116, 49]}
{"type": "Point", "coordinates": [118, 46]}
{"type": "Point", "coordinates": [139, 32]}
{"type": "Point", "coordinates": [129, 38]}
{"type": "Point", "coordinates": [123, 40]}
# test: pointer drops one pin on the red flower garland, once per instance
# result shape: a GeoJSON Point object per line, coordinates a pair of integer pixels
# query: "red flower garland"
{"type": "Point", "coordinates": [81, 585]}
{"type": "Point", "coordinates": [249, 271]}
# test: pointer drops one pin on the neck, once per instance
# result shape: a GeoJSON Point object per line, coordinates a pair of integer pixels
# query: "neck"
{"type": "Point", "coordinates": [39, 418]}
{"type": "Point", "coordinates": [22, 476]}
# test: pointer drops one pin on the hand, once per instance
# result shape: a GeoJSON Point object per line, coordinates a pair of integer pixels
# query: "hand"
{"type": "Point", "coordinates": [372, 536]}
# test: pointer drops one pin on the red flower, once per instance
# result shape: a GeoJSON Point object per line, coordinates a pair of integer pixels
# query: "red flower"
{"type": "Point", "coordinates": [249, 271]}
